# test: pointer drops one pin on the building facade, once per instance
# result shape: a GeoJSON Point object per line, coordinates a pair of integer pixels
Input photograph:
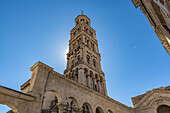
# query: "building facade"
{"type": "Point", "coordinates": [158, 14]}
{"type": "Point", "coordinates": [82, 88]}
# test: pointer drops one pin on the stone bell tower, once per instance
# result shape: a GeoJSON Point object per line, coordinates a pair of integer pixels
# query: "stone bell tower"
{"type": "Point", "coordinates": [83, 58]}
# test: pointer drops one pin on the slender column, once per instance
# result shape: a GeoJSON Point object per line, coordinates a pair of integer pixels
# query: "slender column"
{"type": "Point", "coordinates": [104, 85]}
{"type": "Point", "coordinates": [98, 83]}
{"type": "Point", "coordinates": [61, 108]}
{"type": "Point", "coordinates": [95, 83]}
{"type": "Point", "coordinates": [92, 83]}
{"type": "Point", "coordinates": [102, 88]}
{"type": "Point", "coordinates": [89, 81]}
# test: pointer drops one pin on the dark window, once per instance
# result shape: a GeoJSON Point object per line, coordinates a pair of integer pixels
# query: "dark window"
{"type": "Point", "coordinates": [77, 22]}
{"type": "Point", "coordinates": [166, 28]}
{"type": "Point", "coordinates": [94, 62]}
{"type": "Point", "coordinates": [78, 58]}
{"type": "Point", "coordinates": [88, 59]}
{"type": "Point", "coordinates": [87, 22]}
{"type": "Point", "coordinates": [163, 109]}
{"type": "Point", "coordinates": [162, 2]}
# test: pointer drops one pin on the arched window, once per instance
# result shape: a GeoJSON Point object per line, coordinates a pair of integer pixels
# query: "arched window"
{"type": "Point", "coordinates": [86, 108]}
{"type": "Point", "coordinates": [71, 105]}
{"type": "Point", "coordinates": [87, 43]}
{"type": "Point", "coordinates": [91, 34]}
{"type": "Point", "coordinates": [91, 45]}
{"type": "Point", "coordinates": [88, 59]}
{"type": "Point", "coordinates": [53, 107]}
{"type": "Point", "coordinates": [163, 109]}
{"type": "Point", "coordinates": [86, 22]}
{"type": "Point", "coordinates": [95, 87]}
{"type": "Point", "coordinates": [73, 46]}
{"type": "Point", "coordinates": [94, 62]}
{"type": "Point", "coordinates": [50, 103]}
{"type": "Point", "coordinates": [77, 22]}
{"type": "Point", "coordinates": [79, 29]}
{"type": "Point", "coordinates": [85, 29]}
{"type": "Point", "coordinates": [99, 110]}
{"type": "Point", "coordinates": [78, 58]}
{"type": "Point", "coordinates": [109, 111]}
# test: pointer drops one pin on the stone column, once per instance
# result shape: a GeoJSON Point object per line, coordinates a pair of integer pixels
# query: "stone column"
{"type": "Point", "coordinates": [89, 81]}
{"type": "Point", "coordinates": [104, 85]}
{"type": "Point", "coordinates": [95, 83]}
{"type": "Point", "coordinates": [98, 83]}
{"type": "Point", "coordinates": [101, 84]}
{"type": "Point", "coordinates": [92, 82]}
{"type": "Point", "coordinates": [81, 76]}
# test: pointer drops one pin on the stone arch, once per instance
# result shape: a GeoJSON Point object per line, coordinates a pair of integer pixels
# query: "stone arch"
{"type": "Point", "coordinates": [109, 111]}
{"type": "Point", "coordinates": [12, 106]}
{"type": "Point", "coordinates": [71, 105]}
{"type": "Point", "coordinates": [86, 108]}
{"type": "Point", "coordinates": [99, 110]}
{"type": "Point", "coordinates": [92, 79]}
{"type": "Point", "coordinates": [94, 63]}
{"type": "Point", "coordinates": [163, 109]}
{"type": "Point", "coordinates": [156, 102]}
{"type": "Point", "coordinates": [50, 101]}
{"type": "Point", "coordinates": [88, 59]}
{"type": "Point", "coordinates": [73, 101]}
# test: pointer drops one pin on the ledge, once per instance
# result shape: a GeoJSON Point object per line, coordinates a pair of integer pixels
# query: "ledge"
{"type": "Point", "coordinates": [16, 94]}
{"type": "Point", "coordinates": [41, 64]}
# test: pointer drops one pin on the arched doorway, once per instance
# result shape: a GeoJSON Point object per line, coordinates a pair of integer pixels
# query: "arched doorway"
{"type": "Point", "coordinates": [99, 110]}
{"type": "Point", "coordinates": [86, 108]}
{"type": "Point", "coordinates": [50, 102]}
{"type": "Point", "coordinates": [163, 109]}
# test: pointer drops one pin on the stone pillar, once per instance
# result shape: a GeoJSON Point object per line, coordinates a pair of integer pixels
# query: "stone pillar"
{"type": "Point", "coordinates": [95, 83]}
{"type": "Point", "coordinates": [101, 84]}
{"type": "Point", "coordinates": [98, 83]}
{"type": "Point", "coordinates": [89, 81]}
{"type": "Point", "coordinates": [104, 85]}
{"type": "Point", "coordinates": [61, 108]}
{"type": "Point", "coordinates": [81, 76]}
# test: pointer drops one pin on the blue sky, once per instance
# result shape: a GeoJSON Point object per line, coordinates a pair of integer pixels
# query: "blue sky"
{"type": "Point", "coordinates": [133, 58]}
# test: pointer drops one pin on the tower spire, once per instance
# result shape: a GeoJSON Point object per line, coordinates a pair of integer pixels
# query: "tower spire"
{"type": "Point", "coordinates": [82, 12]}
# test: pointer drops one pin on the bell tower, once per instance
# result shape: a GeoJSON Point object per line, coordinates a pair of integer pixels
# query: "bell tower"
{"type": "Point", "coordinates": [83, 58]}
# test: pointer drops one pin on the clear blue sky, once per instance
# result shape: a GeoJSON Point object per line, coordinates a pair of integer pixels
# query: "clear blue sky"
{"type": "Point", "coordinates": [133, 58]}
